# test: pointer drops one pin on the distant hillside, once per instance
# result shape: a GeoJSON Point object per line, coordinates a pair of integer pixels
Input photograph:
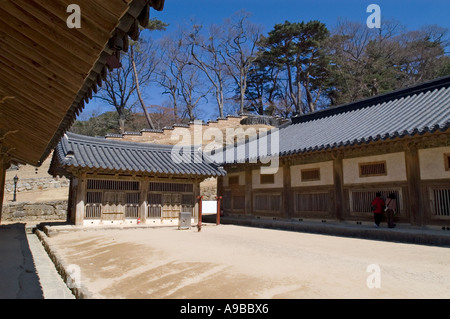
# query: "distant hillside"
{"type": "Point", "coordinates": [108, 122]}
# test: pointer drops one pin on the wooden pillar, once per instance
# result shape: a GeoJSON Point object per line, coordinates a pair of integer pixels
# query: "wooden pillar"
{"type": "Point", "coordinates": [219, 191]}
{"type": "Point", "coordinates": [218, 198]}
{"type": "Point", "coordinates": [248, 192]}
{"type": "Point", "coordinates": [287, 192]}
{"type": "Point", "coordinates": [80, 199]}
{"type": "Point", "coordinates": [413, 177]}
{"type": "Point", "coordinates": [70, 201]}
{"type": "Point", "coordinates": [3, 166]}
{"type": "Point", "coordinates": [338, 177]}
{"type": "Point", "coordinates": [199, 224]}
{"type": "Point", "coordinates": [196, 194]}
{"type": "Point", "coordinates": [143, 198]}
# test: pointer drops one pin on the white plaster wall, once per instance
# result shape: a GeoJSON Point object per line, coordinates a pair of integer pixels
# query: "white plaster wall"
{"type": "Point", "coordinates": [278, 179]}
{"type": "Point", "coordinates": [326, 174]}
{"type": "Point", "coordinates": [241, 178]}
{"type": "Point", "coordinates": [432, 163]}
{"type": "Point", "coordinates": [395, 167]}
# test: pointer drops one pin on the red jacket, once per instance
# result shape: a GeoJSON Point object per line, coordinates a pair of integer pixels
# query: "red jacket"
{"type": "Point", "coordinates": [378, 203]}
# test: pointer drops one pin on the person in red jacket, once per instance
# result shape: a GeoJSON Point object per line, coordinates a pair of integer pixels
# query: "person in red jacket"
{"type": "Point", "coordinates": [377, 208]}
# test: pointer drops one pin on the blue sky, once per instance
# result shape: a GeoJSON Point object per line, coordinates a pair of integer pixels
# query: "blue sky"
{"type": "Point", "coordinates": [411, 13]}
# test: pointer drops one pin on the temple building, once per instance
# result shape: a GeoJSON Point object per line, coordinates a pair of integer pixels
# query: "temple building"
{"type": "Point", "coordinates": [118, 182]}
{"type": "Point", "coordinates": [329, 165]}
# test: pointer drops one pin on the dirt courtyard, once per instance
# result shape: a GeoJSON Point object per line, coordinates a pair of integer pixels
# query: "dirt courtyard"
{"type": "Point", "coordinates": [229, 262]}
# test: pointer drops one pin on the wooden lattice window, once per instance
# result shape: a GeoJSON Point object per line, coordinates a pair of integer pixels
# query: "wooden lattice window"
{"type": "Point", "coordinates": [171, 187]}
{"type": "Point", "coordinates": [93, 205]}
{"type": "Point", "coordinates": [94, 197]}
{"type": "Point", "coordinates": [441, 201]}
{"type": "Point", "coordinates": [447, 161]}
{"type": "Point", "coordinates": [227, 200]}
{"type": "Point", "coordinates": [313, 202]}
{"type": "Point", "coordinates": [267, 202]}
{"type": "Point", "coordinates": [233, 180]}
{"type": "Point", "coordinates": [187, 199]}
{"type": "Point", "coordinates": [372, 169]}
{"type": "Point", "coordinates": [112, 185]}
{"type": "Point", "coordinates": [154, 199]}
{"type": "Point", "coordinates": [267, 178]}
{"type": "Point", "coordinates": [132, 198]}
{"type": "Point", "coordinates": [312, 174]}
{"type": "Point", "coordinates": [360, 200]}
{"type": "Point", "coordinates": [239, 202]}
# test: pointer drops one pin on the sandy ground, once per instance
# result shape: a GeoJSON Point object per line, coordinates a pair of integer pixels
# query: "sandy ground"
{"type": "Point", "coordinates": [230, 262]}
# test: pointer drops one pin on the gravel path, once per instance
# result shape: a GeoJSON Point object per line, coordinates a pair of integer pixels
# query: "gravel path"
{"type": "Point", "coordinates": [230, 262]}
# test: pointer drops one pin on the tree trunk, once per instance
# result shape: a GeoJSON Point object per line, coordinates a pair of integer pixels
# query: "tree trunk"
{"type": "Point", "coordinates": [138, 90]}
{"type": "Point", "coordinates": [122, 122]}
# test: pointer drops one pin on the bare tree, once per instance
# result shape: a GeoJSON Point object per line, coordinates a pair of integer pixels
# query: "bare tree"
{"type": "Point", "coordinates": [207, 55]}
{"type": "Point", "coordinates": [169, 71]}
{"type": "Point", "coordinates": [240, 50]}
{"type": "Point", "coordinates": [138, 89]}
{"type": "Point", "coordinates": [120, 86]}
{"type": "Point", "coordinates": [179, 77]}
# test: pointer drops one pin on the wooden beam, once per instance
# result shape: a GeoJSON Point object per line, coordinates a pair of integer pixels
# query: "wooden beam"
{"type": "Point", "coordinates": [143, 209]}
{"type": "Point", "coordinates": [50, 35]}
{"type": "Point", "coordinates": [80, 199]}
{"type": "Point", "coordinates": [338, 177]}
{"type": "Point", "coordinates": [415, 200]}
{"type": "Point", "coordinates": [116, 8]}
{"type": "Point", "coordinates": [45, 61]}
{"type": "Point", "coordinates": [27, 92]}
{"type": "Point", "coordinates": [35, 91]}
{"type": "Point", "coordinates": [248, 192]}
{"type": "Point", "coordinates": [50, 43]}
{"type": "Point", "coordinates": [89, 12]}
{"type": "Point", "coordinates": [287, 196]}
{"type": "Point", "coordinates": [47, 18]}
{"type": "Point", "coordinates": [4, 164]}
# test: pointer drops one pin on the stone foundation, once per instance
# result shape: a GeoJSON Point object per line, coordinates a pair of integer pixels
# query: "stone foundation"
{"type": "Point", "coordinates": [26, 212]}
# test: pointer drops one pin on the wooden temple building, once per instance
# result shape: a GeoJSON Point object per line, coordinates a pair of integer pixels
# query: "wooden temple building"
{"type": "Point", "coordinates": [331, 163]}
{"type": "Point", "coordinates": [116, 181]}
{"type": "Point", "coordinates": [50, 70]}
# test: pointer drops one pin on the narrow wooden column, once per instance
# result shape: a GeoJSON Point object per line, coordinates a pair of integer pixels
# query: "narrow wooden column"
{"type": "Point", "coordinates": [219, 191]}
{"type": "Point", "coordinates": [413, 176]}
{"type": "Point", "coordinates": [70, 201]}
{"type": "Point", "coordinates": [196, 194]}
{"type": "Point", "coordinates": [287, 192]}
{"type": "Point", "coordinates": [218, 198]}
{"type": "Point", "coordinates": [199, 224]}
{"type": "Point", "coordinates": [3, 166]}
{"type": "Point", "coordinates": [80, 200]}
{"type": "Point", "coordinates": [338, 177]}
{"type": "Point", "coordinates": [143, 197]}
{"type": "Point", "coordinates": [248, 192]}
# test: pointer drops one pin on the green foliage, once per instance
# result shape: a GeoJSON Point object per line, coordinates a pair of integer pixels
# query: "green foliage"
{"type": "Point", "coordinates": [100, 125]}
{"type": "Point", "coordinates": [295, 52]}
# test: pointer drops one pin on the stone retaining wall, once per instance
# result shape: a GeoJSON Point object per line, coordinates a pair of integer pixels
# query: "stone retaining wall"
{"type": "Point", "coordinates": [25, 211]}
{"type": "Point", "coordinates": [36, 184]}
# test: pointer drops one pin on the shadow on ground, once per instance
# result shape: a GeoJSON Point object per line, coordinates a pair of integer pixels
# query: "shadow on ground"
{"type": "Point", "coordinates": [18, 275]}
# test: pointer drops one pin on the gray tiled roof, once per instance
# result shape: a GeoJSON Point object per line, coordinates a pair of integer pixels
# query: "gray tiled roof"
{"type": "Point", "coordinates": [407, 112]}
{"type": "Point", "coordinates": [94, 153]}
